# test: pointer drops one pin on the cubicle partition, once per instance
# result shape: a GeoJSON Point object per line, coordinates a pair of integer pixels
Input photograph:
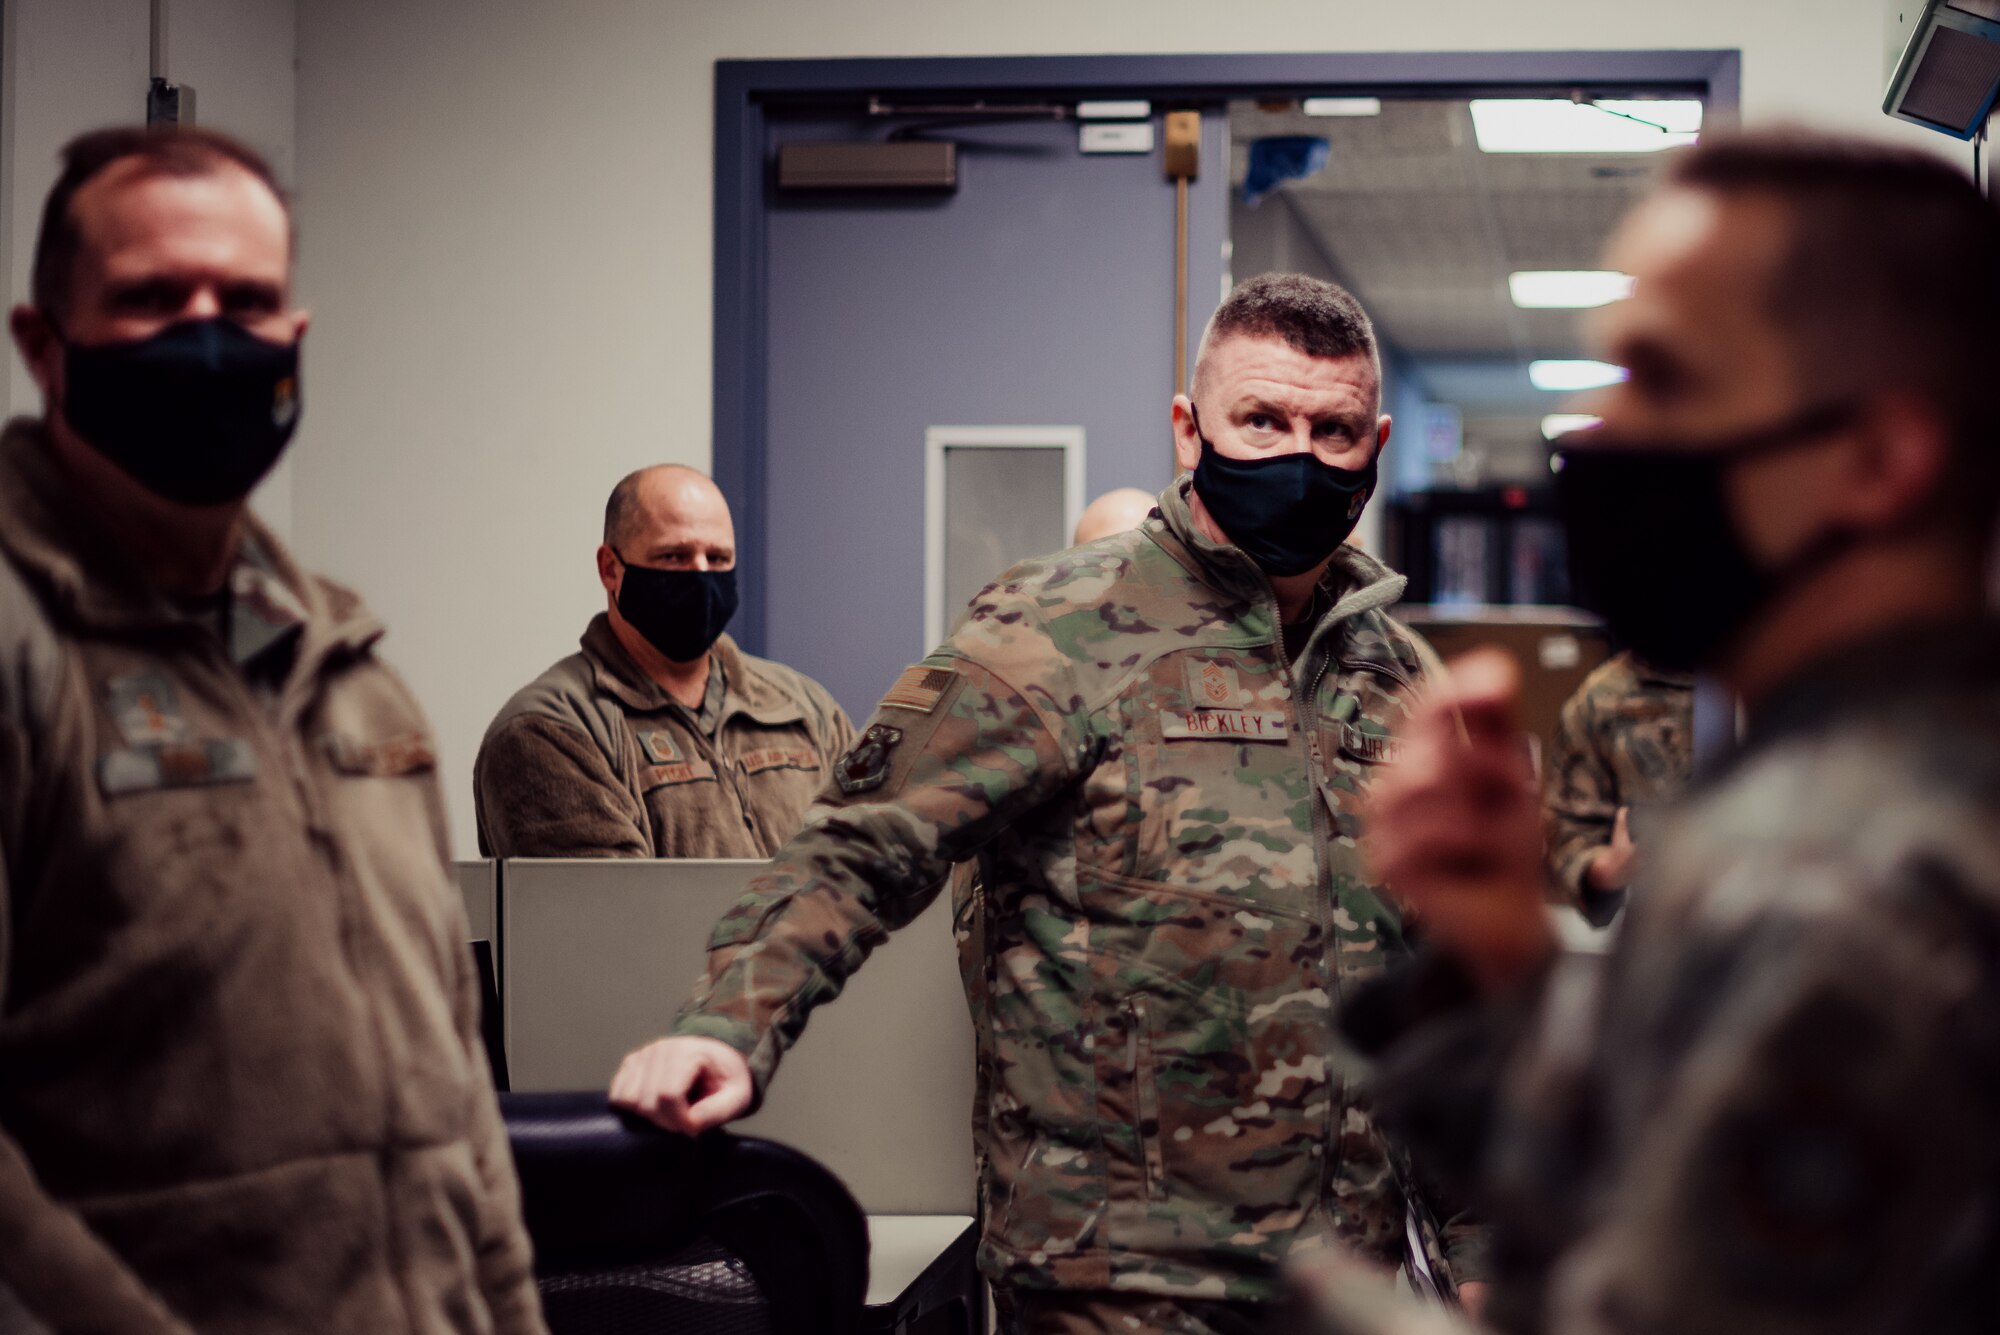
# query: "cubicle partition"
{"type": "Point", "coordinates": [598, 954]}
{"type": "Point", "coordinates": [479, 886]}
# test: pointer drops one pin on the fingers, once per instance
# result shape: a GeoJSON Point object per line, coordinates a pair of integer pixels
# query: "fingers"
{"type": "Point", "coordinates": [1486, 688]}
{"type": "Point", "coordinates": [687, 1085]}
{"type": "Point", "coordinates": [1621, 829]}
{"type": "Point", "coordinates": [727, 1099]}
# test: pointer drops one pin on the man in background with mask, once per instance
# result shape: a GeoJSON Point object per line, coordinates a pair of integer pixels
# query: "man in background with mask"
{"type": "Point", "coordinates": [661, 738]}
{"type": "Point", "coordinates": [1155, 747]}
{"type": "Point", "coordinates": [1773, 1108]}
{"type": "Point", "coordinates": [244, 1088]}
{"type": "Point", "coordinates": [1624, 743]}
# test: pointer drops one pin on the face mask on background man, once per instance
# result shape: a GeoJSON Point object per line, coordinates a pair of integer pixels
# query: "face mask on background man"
{"type": "Point", "coordinates": [197, 413]}
{"type": "Point", "coordinates": [1287, 512]}
{"type": "Point", "coordinates": [1653, 547]}
{"type": "Point", "coordinates": [680, 612]}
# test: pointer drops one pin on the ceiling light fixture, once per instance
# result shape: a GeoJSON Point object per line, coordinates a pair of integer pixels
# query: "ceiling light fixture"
{"type": "Point", "coordinates": [1342, 106]}
{"type": "Point", "coordinates": [1567, 289]}
{"type": "Point", "coordinates": [1524, 125]}
{"type": "Point", "coordinates": [1569, 376]}
{"type": "Point", "coordinates": [1561, 424]}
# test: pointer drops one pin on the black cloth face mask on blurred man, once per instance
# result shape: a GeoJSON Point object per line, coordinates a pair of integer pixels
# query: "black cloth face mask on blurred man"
{"type": "Point", "coordinates": [680, 612]}
{"type": "Point", "coordinates": [197, 413]}
{"type": "Point", "coordinates": [1288, 512]}
{"type": "Point", "coordinates": [1653, 548]}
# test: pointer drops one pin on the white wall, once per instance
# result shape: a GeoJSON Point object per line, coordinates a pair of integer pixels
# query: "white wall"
{"type": "Point", "coordinates": [76, 65]}
{"type": "Point", "coordinates": [506, 213]}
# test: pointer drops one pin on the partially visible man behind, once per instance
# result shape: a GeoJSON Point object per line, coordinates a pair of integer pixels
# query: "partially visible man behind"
{"type": "Point", "coordinates": [1774, 1110]}
{"type": "Point", "coordinates": [1119, 510]}
{"type": "Point", "coordinates": [660, 738]}
{"type": "Point", "coordinates": [1624, 742]}
{"type": "Point", "coordinates": [244, 1086]}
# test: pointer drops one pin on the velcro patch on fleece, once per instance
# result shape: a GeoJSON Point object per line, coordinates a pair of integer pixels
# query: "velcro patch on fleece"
{"type": "Point", "coordinates": [139, 769]}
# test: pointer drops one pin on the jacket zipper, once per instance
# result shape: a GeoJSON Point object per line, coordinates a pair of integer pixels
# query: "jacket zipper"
{"type": "Point", "coordinates": [727, 775]}
{"type": "Point", "coordinates": [279, 722]}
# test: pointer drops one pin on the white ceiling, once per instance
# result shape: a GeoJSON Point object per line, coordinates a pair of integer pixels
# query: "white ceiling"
{"type": "Point", "coordinates": [1425, 228]}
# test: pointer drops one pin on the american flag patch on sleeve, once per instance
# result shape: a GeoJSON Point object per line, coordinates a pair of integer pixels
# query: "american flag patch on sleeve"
{"type": "Point", "coordinates": [919, 688]}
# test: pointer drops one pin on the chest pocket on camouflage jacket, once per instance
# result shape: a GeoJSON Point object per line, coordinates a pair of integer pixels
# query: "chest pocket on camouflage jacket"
{"type": "Point", "coordinates": [1218, 950]}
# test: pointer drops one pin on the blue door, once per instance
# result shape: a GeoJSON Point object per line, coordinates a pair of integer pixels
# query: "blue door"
{"type": "Point", "coordinates": [1040, 293]}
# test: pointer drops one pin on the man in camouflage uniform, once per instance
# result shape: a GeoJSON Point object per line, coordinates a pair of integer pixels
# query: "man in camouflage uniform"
{"type": "Point", "coordinates": [1772, 1109]}
{"type": "Point", "coordinates": [1154, 746]}
{"type": "Point", "coordinates": [1625, 741]}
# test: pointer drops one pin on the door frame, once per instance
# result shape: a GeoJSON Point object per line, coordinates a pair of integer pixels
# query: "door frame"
{"type": "Point", "coordinates": [745, 88]}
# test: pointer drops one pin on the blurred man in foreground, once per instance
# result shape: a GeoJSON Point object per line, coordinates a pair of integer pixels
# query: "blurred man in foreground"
{"type": "Point", "coordinates": [1774, 1109]}
{"type": "Point", "coordinates": [659, 738]}
{"type": "Point", "coordinates": [243, 1085]}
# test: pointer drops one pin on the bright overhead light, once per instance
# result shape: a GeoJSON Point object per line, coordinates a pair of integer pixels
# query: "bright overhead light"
{"type": "Point", "coordinates": [1561, 424]}
{"type": "Point", "coordinates": [1518, 125]}
{"type": "Point", "coordinates": [1574, 375]}
{"type": "Point", "coordinates": [1567, 289]}
{"type": "Point", "coordinates": [1342, 106]}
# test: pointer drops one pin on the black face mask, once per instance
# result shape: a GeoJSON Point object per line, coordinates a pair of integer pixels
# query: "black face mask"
{"type": "Point", "coordinates": [197, 414]}
{"type": "Point", "coordinates": [680, 612]}
{"type": "Point", "coordinates": [1653, 548]}
{"type": "Point", "coordinates": [1289, 512]}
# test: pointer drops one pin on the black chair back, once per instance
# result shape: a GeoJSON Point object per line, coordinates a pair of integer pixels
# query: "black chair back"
{"type": "Point", "coordinates": [489, 1011]}
{"type": "Point", "coordinates": [637, 1230]}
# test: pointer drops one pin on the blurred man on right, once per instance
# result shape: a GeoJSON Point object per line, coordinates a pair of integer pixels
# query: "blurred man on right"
{"type": "Point", "coordinates": [1774, 1108]}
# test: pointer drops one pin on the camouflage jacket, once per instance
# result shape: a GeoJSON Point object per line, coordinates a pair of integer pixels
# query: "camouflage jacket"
{"type": "Point", "coordinates": [1771, 1109]}
{"type": "Point", "coordinates": [1625, 739]}
{"type": "Point", "coordinates": [1162, 809]}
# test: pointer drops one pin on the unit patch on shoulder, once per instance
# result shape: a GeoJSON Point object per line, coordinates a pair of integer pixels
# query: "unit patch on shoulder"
{"type": "Point", "coordinates": [920, 688]}
{"type": "Point", "coordinates": [864, 768]}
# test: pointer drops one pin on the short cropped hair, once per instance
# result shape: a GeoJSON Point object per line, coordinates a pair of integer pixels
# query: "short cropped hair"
{"type": "Point", "coordinates": [1890, 277]}
{"type": "Point", "coordinates": [1311, 315]}
{"type": "Point", "coordinates": [621, 510]}
{"type": "Point", "coordinates": [167, 150]}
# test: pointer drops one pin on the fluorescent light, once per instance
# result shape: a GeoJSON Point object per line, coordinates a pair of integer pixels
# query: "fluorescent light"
{"type": "Point", "coordinates": [1561, 424]}
{"type": "Point", "coordinates": [1342, 106]}
{"type": "Point", "coordinates": [1567, 289]}
{"type": "Point", "coordinates": [1519, 125]}
{"type": "Point", "coordinates": [1567, 375]}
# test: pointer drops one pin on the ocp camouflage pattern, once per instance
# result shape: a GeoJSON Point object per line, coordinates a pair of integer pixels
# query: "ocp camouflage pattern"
{"type": "Point", "coordinates": [1770, 1108]}
{"type": "Point", "coordinates": [1625, 739]}
{"type": "Point", "coordinates": [1168, 907]}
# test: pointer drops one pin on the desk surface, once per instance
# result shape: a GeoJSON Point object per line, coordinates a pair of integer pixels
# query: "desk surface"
{"type": "Point", "coordinates": [902, 1246]}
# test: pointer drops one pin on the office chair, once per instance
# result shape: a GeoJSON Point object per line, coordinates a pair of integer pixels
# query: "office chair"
{"type": "Point", "coordinates": [639, 1231]}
